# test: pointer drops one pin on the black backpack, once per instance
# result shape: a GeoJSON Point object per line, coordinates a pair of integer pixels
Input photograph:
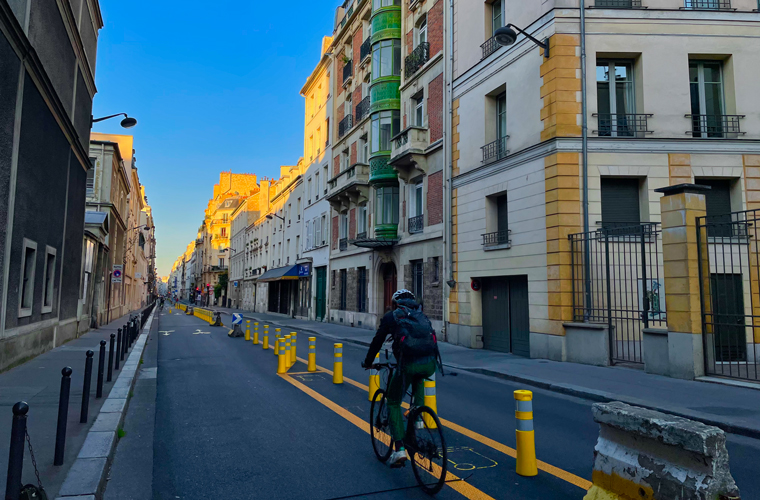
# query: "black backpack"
{"type": "Point", "coordinates": [415, 337]}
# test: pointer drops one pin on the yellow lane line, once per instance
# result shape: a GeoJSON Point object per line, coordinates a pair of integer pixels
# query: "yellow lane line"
{"type": "Point", "coordinates": [569, 477]}
{"type": "Point", "coordinates": [462, 487]}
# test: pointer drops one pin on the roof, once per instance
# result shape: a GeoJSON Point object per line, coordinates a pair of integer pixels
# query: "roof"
{"type": "Point", "coordinates": [281, 273]}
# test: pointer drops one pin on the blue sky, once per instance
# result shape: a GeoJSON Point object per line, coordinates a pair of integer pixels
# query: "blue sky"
{"type": "Point", "coordinates": [214, 86]}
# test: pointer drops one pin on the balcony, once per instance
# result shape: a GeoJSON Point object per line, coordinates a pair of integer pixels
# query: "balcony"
{"type": "Point", "coordinates": [365, 51]}
{"type": "Point", "coordinates": [416, 224]}
{"type": "Point", "coordinates": [618, 4]}
{"type": "Point", "coordinates": [380, 170]}
{"type": "Point", "coordinates": [345, 125]}
{"type": "Point", "coordinates": [496, 239]}
{"type": "Point", "coordinates": [217, 269]}
{"type": "Point", "coordinates": [715, 126]}
{"type": "Point", "coordinates": [495, 150]}
{"type": "Point", "coordinates": [707, 4]}
{"type": "Point", "coordinates": [362, 109]}
{"type": "Point", "coordinates": [348, 72]}
{"type": "Point", "coordinates": [417, 59]}
{"type": "Point", "coordinates": [349, 186]}
{"type": "Point", "coordinates": [408, 151]}
{"type": "Point", "coordinates": [489, 47]}
{"type": "Point", "coordinates": [622, 125]}
{"type": "Point", "coordinates": [343, 244]}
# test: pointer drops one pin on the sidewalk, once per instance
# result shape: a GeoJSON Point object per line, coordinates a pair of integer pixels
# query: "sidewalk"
{"type": "Point", "coordinates": [733, 409]}
{"type": "Point", "coordinates": [38, 382]}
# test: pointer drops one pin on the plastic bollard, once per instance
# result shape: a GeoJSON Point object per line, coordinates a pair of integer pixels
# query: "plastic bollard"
{"type": "Point", "coordinates": [277, 344]}
{"type": "Point", "coordinates": [430, 401]}
{"type": "Point", "coordinates": [255, 335]}
{"type": "Point", "coordinates": [524, 436]}
{"type": "Point", "coordinates": [265, 340]}
{"type": "Point", "coordinates": [248, 330]}
{"type": "Point", "coordinates": [374, 379]}
{"type": "Point", "coordinates": [338, 364]}
{"type": "Point", "coordinates": [312, 365]}
{"type": "Point", "coordinates": [281, 368]}
{"type": "Point", "coordinates": [293, 338]}
{"type": "Point", "coordinates": [283, 359]}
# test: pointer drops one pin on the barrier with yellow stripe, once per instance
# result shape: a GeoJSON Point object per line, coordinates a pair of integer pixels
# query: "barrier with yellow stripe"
{"type": "Point", "coordinates": [204, 314]}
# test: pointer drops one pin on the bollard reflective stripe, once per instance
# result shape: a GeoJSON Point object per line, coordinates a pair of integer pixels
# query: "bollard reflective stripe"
{"type": "Point", "coordinates": [312, 365]}
{"type": "Point", "coordinates": [526, 464]}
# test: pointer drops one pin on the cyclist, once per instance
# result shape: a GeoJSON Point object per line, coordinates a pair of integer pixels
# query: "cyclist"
{"type": "Point", "coordinates": [162, 303]}
{"type": "Point", "coordinates": [416, 351]}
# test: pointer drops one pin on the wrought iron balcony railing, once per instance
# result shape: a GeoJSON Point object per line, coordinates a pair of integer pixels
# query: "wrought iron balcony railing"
{"type": "Point", "coordinates": [622, 125]}
{"type": "Point", "coordinates": [496, 238]}
{"type": "Point", "coordinates": [495, 150]}
{"type": "Point", "coordinates": [345, 125]}
{"type": "Point", "coordinates": [619, 4]}
{"type": "Point", "coordinates": [366, 49]}
{"type": "Point", "coordinates": [348, 71]}
{"type": "Point", "coordinates": [489, 47]}
{"type": "Point", "coordinates": [343, 244]}
{"type": "Point", "coordinates": [416, 224]}
{"type": "Point", "coordinates": [708, 4]}
{"type": "Point", "coordinates": [402, 139]}
{"type": "Point", "coordinates": [362, 109]}
{"type": "Point", "coordinates": [715, 126]}
{"type": "Point", "coordinates": [417, 59]}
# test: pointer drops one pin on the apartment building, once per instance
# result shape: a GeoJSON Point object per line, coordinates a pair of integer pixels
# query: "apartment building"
{"type": "Point", "coordinates": [47, 55]}
{"type": "Point", "coordinates": [242, 217]}
{"type": "Point", "coordinates": [315, 255]}
{"type": "Point", "coordinates": [670, 99]}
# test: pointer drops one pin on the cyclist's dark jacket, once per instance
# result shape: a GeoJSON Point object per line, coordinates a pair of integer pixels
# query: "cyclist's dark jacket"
{"type": "Point", "coordinates": [387, 327]}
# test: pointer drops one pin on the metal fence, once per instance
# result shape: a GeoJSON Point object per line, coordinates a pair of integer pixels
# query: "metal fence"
{"type": "Point", "coordinates": [617, 280]}
{"type": "Point", "coordinates": [730, 289]}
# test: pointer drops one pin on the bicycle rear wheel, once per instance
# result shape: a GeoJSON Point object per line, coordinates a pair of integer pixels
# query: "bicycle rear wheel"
{"type": "Point", "coordinates": [380, 427]}
{"type": "Point", "coordinates": [427, 449]}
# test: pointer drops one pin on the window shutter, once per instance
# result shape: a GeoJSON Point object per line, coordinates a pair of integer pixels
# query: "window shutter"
{"type": "Point", "coordinates": [620, 202]}
{"type": "Point", "coordinates": [318, 237]}
{"type": "Point", "coordinates": [718, 198]}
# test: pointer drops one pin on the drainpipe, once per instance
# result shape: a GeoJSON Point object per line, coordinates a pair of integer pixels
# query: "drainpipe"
{"type": "Point", "coordinates": [449, 164]}
{"type": "Point", "coordinates": [584, 166]}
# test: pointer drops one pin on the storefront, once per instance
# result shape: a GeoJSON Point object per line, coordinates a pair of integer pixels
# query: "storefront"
{"type": "Point", "coordinates": [303, 303]}
{"type": "Point", "coordinates": [282, 288]}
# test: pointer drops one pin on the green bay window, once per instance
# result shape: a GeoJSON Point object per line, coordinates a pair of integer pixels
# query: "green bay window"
{"type": "Point", "coordinates": [378, 4]}
{"type": "Point", "coordinates": [385, 125]}
{"type": "Point", "coordinates": [386, 205]}
{"type": "Point", "coordinates": [386, 59]}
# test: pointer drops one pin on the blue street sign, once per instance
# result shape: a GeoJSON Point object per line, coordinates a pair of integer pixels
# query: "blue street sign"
{"type": "Point", "coordinates": [304, 270]}
{"type": "Point", "coordinates": [237, 319]}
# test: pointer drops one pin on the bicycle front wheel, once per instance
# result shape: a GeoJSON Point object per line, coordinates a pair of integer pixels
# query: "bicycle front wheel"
{"type": "Point", "coordinates": [427, 449]}
{"type": "Point", "coordinates": [380, 426]}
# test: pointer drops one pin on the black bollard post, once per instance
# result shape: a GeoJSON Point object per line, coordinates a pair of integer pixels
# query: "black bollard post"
{"type": "Point", "coordinates": [101, 369]}
{"type": "Point", "coordinates": [124, 342]}
{"type": "Point", "coordinates": [118, 348]}
{"type": "Point", "coordinates": [131, 332]}
{"type": "Point", "coordinates": [16, 454]}
{"type": "Point", "coordinates": [86, 388]}
{"type": "Point", "coordinates": [110, 358]}
{"type": "Point", "coordinates": [63, 414]}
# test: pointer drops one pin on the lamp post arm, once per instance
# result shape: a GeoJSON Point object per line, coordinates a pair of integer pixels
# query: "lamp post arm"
{"type": "Point", "coordinates": [95, 120]}
{"type": "Point", "coordinates": [544, 45]}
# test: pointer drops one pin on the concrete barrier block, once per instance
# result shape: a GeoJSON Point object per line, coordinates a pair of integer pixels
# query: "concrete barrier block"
{"type": "Point", "coordinates": [647, 455]}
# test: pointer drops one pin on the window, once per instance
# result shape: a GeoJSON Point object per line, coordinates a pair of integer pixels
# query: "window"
{"type": "Point", "coordinates": [387, 205]}
{"type": "Point", "coordinates": [385, 125]}
{"type": "Point", "coordinates": [317, 229]}
{"type": "Point", "coordinates": [377, 4]}
{"type": "Point", "coordinates": [386, 59]}
{"type": "Point", "coordinates": [419, 110]}
{"type": "Point", "coordinates": [436, 270]}
{"type": "Point", "coordinates": [324, 179]}
{"type": "Point", "coordinates": [316, 186]}
{"type": "Point", "coordinates": [308, 184]}
{"type": "Point", "coordinates": [224, 232]}
{"type": "Point", "coordinates": [363, 151]}
{"type": "Point", "coordinates": [49, 276]}
{"type": "Point", "coordinates": [706, 88]}
{"type": "Point", "coordinates": [422, 31]}
{"type": "Point", "coordinates": [90, 184]}
{"type": "Point", "coordinates": [298, 209]}
{"type": "Point", "coordinates": [620, 202]}
{"type": "Point", "coordinates": [718, 204]}
{"type": "Point", "coordinates": [496, 16]}
{"type": "Point", "coordinates": [87, 267]}
{"type": "Point", "coordinates": [332, 281]}
{"type": "Point", "coordinates": [324, 229]}
{"type": "Point", "coordinates": [501, 116]}
{"type": "Point", "coordinates": [615, 100]}
{"type": "Point", "coordinates": [28, 267]}
{"type": "Point", "coordinates": [343, 289]}
{"type": "Point", "coordinates": [343, 226]}
{"type": "Point", "coordinates": [361, 286]}
{"type": "Point", "coordinates": [309, 236]}
{"type": "Point", "coordinates": [417, 279]}
{"type": "Point", "coordinates": [708, 4]}
{"type": "Point", "coordinates": [415, 207]}
{"type": "Point", "coordinates": [221, 261]}
{"type": "Point", "coordinates": [361, 220]}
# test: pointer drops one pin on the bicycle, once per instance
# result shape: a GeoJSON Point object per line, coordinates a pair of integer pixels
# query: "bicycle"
{"type": "Point", "coordinates": [419, 440]}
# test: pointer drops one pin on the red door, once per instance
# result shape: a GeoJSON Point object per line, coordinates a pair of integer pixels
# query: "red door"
{"type": "Point", "coordinates": [389, 285]}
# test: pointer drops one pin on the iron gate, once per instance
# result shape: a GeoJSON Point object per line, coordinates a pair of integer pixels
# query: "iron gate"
{"type": "Point", "coordinates": [729, 279]}
{"type": "Point", "coordinates": [617, 280]}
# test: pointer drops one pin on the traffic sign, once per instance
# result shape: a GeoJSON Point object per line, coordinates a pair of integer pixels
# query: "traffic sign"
{"type": "Point", "coordinates": [237, 319]}
{"type": "Point", "coordinates": [116, 275]}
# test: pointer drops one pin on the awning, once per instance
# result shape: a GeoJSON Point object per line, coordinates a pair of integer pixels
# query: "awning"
{"type": "Point", "coordinates": [374, 242]}
{"type": "Point", "coordinates": [281, 273]}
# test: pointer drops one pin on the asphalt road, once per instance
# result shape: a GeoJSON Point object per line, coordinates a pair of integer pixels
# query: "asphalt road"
{"type": "Point", "coordinates": [227, 426]}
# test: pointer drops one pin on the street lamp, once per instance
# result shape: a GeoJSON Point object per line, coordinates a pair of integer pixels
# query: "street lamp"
{"type": "Point", "coordinates": [506, 36]}
{"type": "Point", "coordinates": [269, 217]}
{"type": "Point", "coordinates": [127, 122]}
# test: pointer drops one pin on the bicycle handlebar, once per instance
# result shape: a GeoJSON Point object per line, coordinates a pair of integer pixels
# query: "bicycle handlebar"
{"type": "Point", "coordinates": [378, 366]}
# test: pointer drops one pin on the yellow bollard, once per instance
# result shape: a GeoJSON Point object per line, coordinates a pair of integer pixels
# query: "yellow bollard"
{"type": "Point", "coordinates": [374, 379]}
{"type": "Point", "coordinates": [526, 441]}
{"type": "Point", "coordinates": [338, 364]}
{"type": "Point", "coordinates": [312, 366]}
{"type": "Point", "coordinates": [277, 345]}
{"type": "Point", "coordinates": [265, 340]}
{"type": "Point", "coordinates": [293, 338]}
{"type": "Point", "coordinates": [256, 335]}
{"type": "Point", "coordinates": [430, 401]}
{"type": "Point", "coordinates": [248, 330]}
{"type": "Point", "coordinates": [170, 311]}
{"type": "Point", "coordinates": [287, 350]}
{"type": "Point", "coordinates": [282, 366]}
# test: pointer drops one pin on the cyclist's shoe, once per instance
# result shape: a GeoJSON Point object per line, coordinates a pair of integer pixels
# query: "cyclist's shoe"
{"type": "Point", "coordinates": [398, 459]}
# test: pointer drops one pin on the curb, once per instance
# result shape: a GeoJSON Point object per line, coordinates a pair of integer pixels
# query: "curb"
{"type": "Point", "coordinates": [87, 476]}
{"type": "Point", "coordinates": [567, 389]}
